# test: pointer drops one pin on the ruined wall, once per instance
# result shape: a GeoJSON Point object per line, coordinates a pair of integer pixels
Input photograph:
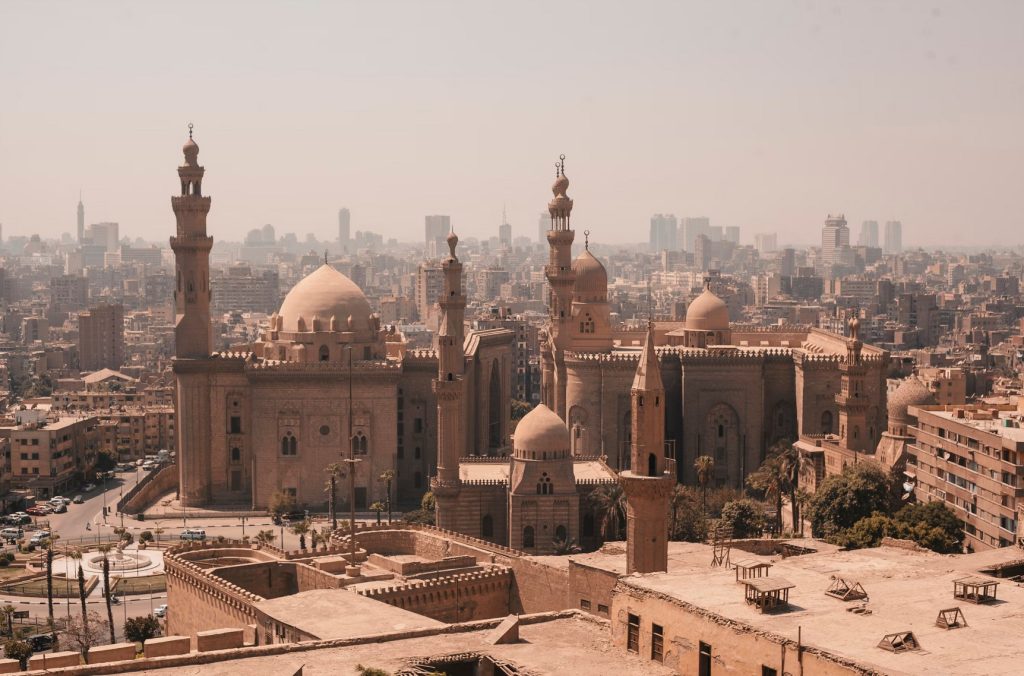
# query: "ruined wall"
{"type": "Point", "coordinates": [455, 598]}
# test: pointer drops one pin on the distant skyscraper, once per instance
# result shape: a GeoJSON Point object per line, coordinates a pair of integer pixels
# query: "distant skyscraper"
{"type": "Point", "coordinates": [101, 338]}
{"type": "Point", "coordinates": [787, 263]}
{"type": "Point", "coordinates": [81, 219]}
{"type": "Point", "coordinates": [543, 225]}
{"type": "Point", "coordinates": [868, 234]}
{"type": "Point", "coordinates": [505, 232]}
{"type": "Point", "coordinates": [893, 237]}
{"type": "Point", "coordinates": [692, 227]}
{"type": "Point", "coordinates": [766, 242]}
{"type": "Point", "coordinates": [663, 232]}
{"type": "Point", "coordinates": [344, 226]}
{"type": "Point", "coordinates": [437, 228]}
{"type": "Point", "coordinates": [835, 238]}
{"type": "Point", "coordinates": [732, 234]}
{"type": "Point", "coordinates": [105, 235]}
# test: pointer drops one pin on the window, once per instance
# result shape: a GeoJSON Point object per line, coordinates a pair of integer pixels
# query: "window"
{"type": "Point", "coordinates": [325, 353]}
{"type": "Point", "coordinates": [528, 537]}
{"type": "Point", "coordinates": [236, 455]}
{"type": "Point", "coordinates": [487, 526]}
{"type": "Point", "coordinates": [657, 643]}
{"type": "Point", "coordinates": [768, 671]}
{"type": "Point", "coordinates": [359, 444]}
{"type": "Point", "coordinates": [236, 424]}
{"type": "Point", "coordinates": [417, 452]}
{"type": "Point", "coordinates": [704, 663]}
{"type": "Point", "coordinates": [544, 486]}
{"type": "Point", "coordinates": [584, 604]}
{"type": "Point", "coordinates": [417, 425]}
{"type": "Point", "coordinates": [633, 634]}
{"type": "Point", "coordinates": [289, 444]}
{"type": "Point", "coordinates": [560, 534]}
{"type": "Point", "coordinates": [602, 608]}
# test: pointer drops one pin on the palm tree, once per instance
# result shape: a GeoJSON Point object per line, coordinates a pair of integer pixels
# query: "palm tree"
{"type": "Point", "coordinates": [610, 501]}
{"type": "Point", "coordinates": [387, 476]}
{"type": "Point", "coordinates": [300, 529]}
{"type": "Point", "coordinates": [49, 582]}
{"type": "Point", "coordinates": [76, 554]}
{"type": "Point", "coordinates": [334, 471]}
{"type": "Point", "coordinates": [770, 480]}
{"type": "Point", "coordinates": [377, 507]}
{"type": "Point", "coordinates": [158, 531]}
{"type": "Point", "coordinates": [8, 610]}
{"type": "Point", "coordinates": [567, 546]}
{"type": "Point", "coordinates": [790, 464]}
{"type": "Point", "coordinates": [106, 588]}
{"type": "Point", "coordinates": [705, 466]}
{"type": "Point", "coordinates": [265, 537]}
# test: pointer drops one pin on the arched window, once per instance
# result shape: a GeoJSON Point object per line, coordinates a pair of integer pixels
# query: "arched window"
{"type": "Point", "coordinates": [826, 422]}
{"type": "Point", "coordinates": [721, 431]}
{"type": "Point", "coordinates": [289, 444]}
{"type": "Point", "coordinates": [528, 537]}
{"type": "Point", "coordinates": [652, 465]}
{"type": "Point", "coordinates": [236, 455]}
{"type": "Point", "coordinates": [487, 526]}
{"type": "Point", "coordinates": [325, 353]}
{"type": "Point", "coordinates": [544, 486]}
{"type": "Point", "coordinates": [359, 444]}
{"type": "Point", "coordinates": [560, 534]}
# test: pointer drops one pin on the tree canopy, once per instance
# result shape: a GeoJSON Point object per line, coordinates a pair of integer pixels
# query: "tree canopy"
{"type": "Point", "coordinates": [844, 499]}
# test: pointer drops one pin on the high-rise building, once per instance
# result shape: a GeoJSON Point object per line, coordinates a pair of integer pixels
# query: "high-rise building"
{"type": "Point", "coordinates": [505, 232]}
{"type": "Point", "coordinates": [104, 235]}
{"type": "Point", "coordinates": [663, 232]}
{"type": "Point", "coordinates": [835, 239]}
{"type": "Point", "coordinates": [429, 285]}
{"type": "Point", "coordinates": [344, 226]}
{"type": "Point", "coordinates": [692, 227]}
{"type": "Point", "coordinates": [732, 234]}
{"type": "Point", "coordinates": [543, 225]}
{"type": "Point", "coordinates": [766, 242]}
{"type": "Point", "coordinates": [868, 234]}
{"type": "Point", "coordinates": [437, 228]}
{"type": "Point", "coordinates": [101, 338]}
{"type": "Point", "coordinates": [81, 219]}
{"type": "Point", "coordinates": [893, 237]}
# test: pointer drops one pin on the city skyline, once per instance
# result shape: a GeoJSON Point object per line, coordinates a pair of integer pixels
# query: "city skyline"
{"type": "Point", "coordinates": [435, 110]}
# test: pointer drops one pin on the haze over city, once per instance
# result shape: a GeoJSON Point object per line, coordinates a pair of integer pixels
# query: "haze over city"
{"type": "Point", "coordinates": [761, 115]}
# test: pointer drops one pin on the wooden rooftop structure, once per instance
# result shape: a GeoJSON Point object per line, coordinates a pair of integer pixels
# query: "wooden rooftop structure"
{"type": "Point", "coordinates": [767, 593]}
{"type": "Point", "coordinates": [748, 569]}
{"type": "Point", "coordinates": [975, 589]}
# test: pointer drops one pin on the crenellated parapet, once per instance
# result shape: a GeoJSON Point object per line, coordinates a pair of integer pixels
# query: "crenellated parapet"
{"type": "Point", "coordinates": [465, 581]}
{"type": "Point", "coordinates": [334, 368]}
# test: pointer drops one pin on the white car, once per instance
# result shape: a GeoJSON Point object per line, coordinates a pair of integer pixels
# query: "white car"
{"type": "Point", "coordinates": [161, 610]}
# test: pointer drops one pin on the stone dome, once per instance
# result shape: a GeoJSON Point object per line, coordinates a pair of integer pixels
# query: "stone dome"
{"type": "Point", "coordinates": [707, 312]}
{"type": "Point", "coordinates": [911, 392]}
{"type": "Point", "coordinates": [591, 278]}
{"type": "Point", "coordinates": [541, 430]}
{"type": "Point", "coordinates": [325, 294]}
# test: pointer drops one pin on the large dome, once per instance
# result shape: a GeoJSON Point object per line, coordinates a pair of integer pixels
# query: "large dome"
{"type": "Point", "coordinates": [541, 430]}
{"type": "Point", "coordinates": [591, 278]}
{"type": "Point", "coordinates": [707, 312]}
{"type": "Point", "coordinates": [325, 294]}
{"type": "Point", "coordinates": [911, 392]}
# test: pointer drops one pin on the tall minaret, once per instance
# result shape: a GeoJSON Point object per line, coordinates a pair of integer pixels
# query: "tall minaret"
{"type": "Point", "coordinates": [649, 481]}
{"type": "Point", "coordinates": [192, 332]}
{"type": "Point", "coordinates": [448, 388]}
{"type": "Point", "coordinates": [852, 398]}
{"type": "Point", "coordinates": [561, 277]}
{"type": "Point", "coordinates": [81, 218]}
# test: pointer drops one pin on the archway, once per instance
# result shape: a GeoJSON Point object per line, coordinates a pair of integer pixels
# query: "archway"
{"type": "Point", "coordinates": [722, 436]}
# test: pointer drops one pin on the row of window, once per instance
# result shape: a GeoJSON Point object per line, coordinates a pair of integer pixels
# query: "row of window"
{"type": "Point", "coordinates": [705, 657]}
{"type": "Point", "coordinates": [290, 445]}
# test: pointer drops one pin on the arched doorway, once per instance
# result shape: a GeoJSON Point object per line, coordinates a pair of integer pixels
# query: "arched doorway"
{"type": "Point", "coordinates": [722, 434]}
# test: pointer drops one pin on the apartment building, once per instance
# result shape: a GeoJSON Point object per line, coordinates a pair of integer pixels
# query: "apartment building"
{"type": "Point", "coordinates": [51, 456]}
{"type": "Point", "coordinates": [972, 457]}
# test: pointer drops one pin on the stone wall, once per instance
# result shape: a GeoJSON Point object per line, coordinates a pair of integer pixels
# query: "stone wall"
{"type": "Point", "coordinates": [269, 580]}
{"type": "Point", "coordinates": [152, 487]}
{"type": "Point", "coordinates": [455, 598]}
{"type": "Point", "coordinates": [406, 568]}
{"type": "Point", "coordinates": [591, 588]}
{"type": "Point", "coordinates": [538, 587]}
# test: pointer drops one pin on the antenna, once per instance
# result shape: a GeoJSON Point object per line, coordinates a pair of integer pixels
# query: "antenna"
{"type": "Point", "coordinates": [586, 240]}
{"type": "Point", "coordinates": [190, 131]}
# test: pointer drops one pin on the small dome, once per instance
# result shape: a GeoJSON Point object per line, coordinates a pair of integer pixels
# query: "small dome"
{"type": "Point", "coordinates": [541, 430]}
{"type": "Point", "coordinates": [453, 241]}
{"type": "Point", "coordinates": [911, 392]}
{"type": "Point", "coordinates": [560, 186]}
{"type": "Point", "coordinates": [707, 312]}
{"type": "Point", "coordinates": [591, 278]}
{"type": "Point", "coordinates": [191, 150]}
{"type": "Point", "coordinates": [325, 293]}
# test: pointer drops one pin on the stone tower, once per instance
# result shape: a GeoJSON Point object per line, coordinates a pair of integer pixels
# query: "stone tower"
{"type": "Point", "coordinates": [448, 387]}
{"type": "Point", "coordinates": [852, 398]}
{"type": "Point", "coordinates": [193, 367]}
{"type": "Point", "coordinates": [191, 246]}
{"type": "Point", "coordinates": [649, 481]}
{"type": "Point", "coordinates": [561, 277]}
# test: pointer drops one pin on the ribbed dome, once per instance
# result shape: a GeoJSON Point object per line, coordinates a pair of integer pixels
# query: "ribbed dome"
{"type": "Point", "coordinates": [707, 312]}
{"type": "Point", "coordinates": [911, 392]}
{"type": "Point", "coordinates": [591, 278]}
{"type": "Point", "coordinates": [541, 430]}
{"type": "Point", "coordinates": [324, 294]}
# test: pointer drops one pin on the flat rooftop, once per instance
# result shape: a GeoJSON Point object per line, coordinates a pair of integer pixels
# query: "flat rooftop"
{"type": "Point", "coordinates": [548, 647]}
{"type": "Point", "coordinates": [340, 613]}
{"type": "Point", "coordinates": [906, 590]}
{"type": "Point", "coordinates": [584, 470]}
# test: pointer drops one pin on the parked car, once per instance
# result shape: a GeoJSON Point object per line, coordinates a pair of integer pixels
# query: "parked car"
{"type": "Point", "coordinates": [10, 534]}
{"type": "Point", "coordinates": [60, 508]}
{"type": "Point", "coordinates": [88, 487]}
{"type": "Point", "coordinates": [161, 610]}
{"type": "Point", "coordinates": [38, 510]}
{"type": "Point", "coordinates": [78, 499]}
{"type": "Point", "coordinates": [40, 538]}
{"type": "Point", "coordinates": [19, 518]}
{"type": "Point", "coordinates": [148, 466]}
{"type": "Point", "coordinates": [193, 534]}
{"type": "Point", "coordinates": [41, 642]}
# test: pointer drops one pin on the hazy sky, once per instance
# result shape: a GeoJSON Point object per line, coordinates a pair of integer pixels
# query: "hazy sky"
{"type": "Point", "coordinates": [763, 114]}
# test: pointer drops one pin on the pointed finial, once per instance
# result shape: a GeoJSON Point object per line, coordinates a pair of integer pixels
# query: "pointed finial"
{"type": "Point", "coordinates": [190, 130]}
{"type": "Point", "coordinates": [561, 163]}
{"type": "Point", "coordinates": [586, 240]}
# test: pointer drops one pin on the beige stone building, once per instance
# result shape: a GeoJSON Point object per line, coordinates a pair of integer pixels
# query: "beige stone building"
{"type": "Point", "coordinates": [326, 381]}
{"type": "Point", "coordinates": [50, 456]}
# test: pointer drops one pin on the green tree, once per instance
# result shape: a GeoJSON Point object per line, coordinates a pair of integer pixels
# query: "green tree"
{"type": "Point", "coordinates": [141, 629]}
{"type": "Point", "coordinates": [388, 477]}
{"type": "Point", "coordinates": [686, 518]}
{"type": "Point", "coordinates": [566, 546]}
{"type": "Point", "coordinates": [790, 463]}
{"type": "Point", "coordinates": [426, 514]}
{"type": "Point", "coordinates": [844, 499]}
{"type": "Point", "coordinates": [705, 466]}
{"type": "Point", "coordinates": [49, 582]}
{"type": "Point", "coordinates": [769, 481]}
{"type": "Point", "coordinates": [105, 461]}
{"type": "Point", "coordinates": [146, 536]}
{"type": "Point", "coordinates": [8, 610]}
{"type": "Point", "coordinates": [282, 503]}
{"type": "Point", "coordinates": [610, 502]}
{"type": "Point", "coordinates": [265, 537]}
{"type": "Point", "coordinates": [746, 517]}
{"type": "Point", "coordinates": [18, 650]}
{"type": "Point", "coordinates": [520, 408]}
{"type": "Point", "coordinates": [927, 518]}
{"type": "Point", "coordinates": [371, 671]}
{"type": "Point", "coordinates": [378, 507]}
{"type": "Point", "coordinates": [301, 529]}
{"type": "Point", "coordinates": [334, 471]}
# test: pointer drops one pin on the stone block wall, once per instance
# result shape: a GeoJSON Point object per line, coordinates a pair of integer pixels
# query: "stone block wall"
{"type": "Point", "coordinates": [537, 587]}
{"type": "Point", "coordinates": [9, 666]}
{"type": "Point", "coordinates": [111, 653]}
{"type": "Point", "coordinates": [202, 600]}
{"type": "Point", "coordinates": [456, 598]}
{"type": "Point", "coordinates": [591, 588]}
{"type": "Point", "coordinates": [167, 645]}
{"type": "Point", "coordinates": [150, 489]}
{"type": "Point", "coordinates": [67, 658]}
{"type": "Point", "coordinates": [219, 639]}
{"type": "Point", "coordinates": [269, 580]}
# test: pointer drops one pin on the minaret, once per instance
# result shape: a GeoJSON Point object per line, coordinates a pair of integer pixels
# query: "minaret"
{"type": "Point", "coordinates": [448, 388]}
{"type": "Point", "coordinates": [191, 245]}
{"type": "Point", "coordinates": [649, 481]}
{"type": "Point", "coordinates": [81, 218]}
{"type": "Point", "coordinates": [561, 277]}
{"type": "Point", "coordinates": [852, 399]}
